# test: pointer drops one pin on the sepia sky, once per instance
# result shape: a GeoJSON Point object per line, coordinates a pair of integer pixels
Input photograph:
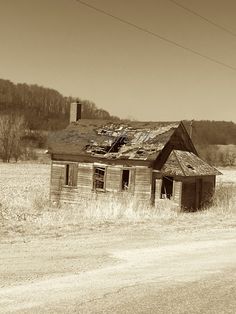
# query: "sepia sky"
{"type": "Point", "coordinates": [67, 46]}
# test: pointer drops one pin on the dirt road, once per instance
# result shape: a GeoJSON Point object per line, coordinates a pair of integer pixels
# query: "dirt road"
{"type": "Point", "coordinates": [137, 270]}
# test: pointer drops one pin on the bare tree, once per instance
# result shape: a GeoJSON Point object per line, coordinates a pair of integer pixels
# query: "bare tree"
{"type": "Point", "coordinates": [12, 128]}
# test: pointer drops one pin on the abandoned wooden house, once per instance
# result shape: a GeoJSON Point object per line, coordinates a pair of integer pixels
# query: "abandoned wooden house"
{"type": "Point", "coordinates": [151, 161]}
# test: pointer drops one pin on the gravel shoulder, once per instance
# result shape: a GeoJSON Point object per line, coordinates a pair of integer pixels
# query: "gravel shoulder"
{"type": "Point", "coordinates": [113, 270]}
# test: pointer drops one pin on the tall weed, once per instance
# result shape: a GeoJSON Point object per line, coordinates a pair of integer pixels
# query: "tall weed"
{"type": "Point", "coordinates": [224, 200]}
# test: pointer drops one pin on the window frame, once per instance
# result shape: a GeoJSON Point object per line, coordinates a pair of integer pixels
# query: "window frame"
{"type": "Point", "coordinates": [129, 182]}
{"type": "Point", "coordinates": [166, 195]}
{"type": "Point", "coordinates": [101, 168]}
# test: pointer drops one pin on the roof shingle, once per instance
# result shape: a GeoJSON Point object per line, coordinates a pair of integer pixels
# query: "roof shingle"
{"type": "Point", "coordinates": [183, 163]}
{"type": "Point", "coordinates": [108, 139]}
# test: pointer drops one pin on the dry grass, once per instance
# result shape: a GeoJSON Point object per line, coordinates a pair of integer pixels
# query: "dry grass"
{"type": "Point", "coordinates": [24, 205]}
{"type": "Point", "coordinates": [224, 200]}
{"type": "Point", "coordinates": [24, 190]}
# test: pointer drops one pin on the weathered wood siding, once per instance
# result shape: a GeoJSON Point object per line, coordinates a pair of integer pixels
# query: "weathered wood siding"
{"type": "Point", "coordinates": [177, 192]}
{"type": "Point", "coordinates": [85, 177]}
{"type": "Point", "coordinates": [97, 159]}
{"type": "Point", "coordinates": [157, 191]}
{"type": "Point", "coordinates": [189, 194]}
{"type": "Point", "coordinates": [84, 185]}
{"type": "Point", "coordinates": [197, 192]}
{"type": "Point", "coordinates": [208, 189]}
{"type": "Point", "coordinates": [139, 182]}
{"type": "Point", "coordinates": [143, 180]}
{"type": "Point", "coordinates": [176, 196]}
{"type": "Point", "coordinates": [60, 192]}
{"type": "Point", "coordinates": [113, 179]}
{"type": "Point", "coordinates": [57, 181]}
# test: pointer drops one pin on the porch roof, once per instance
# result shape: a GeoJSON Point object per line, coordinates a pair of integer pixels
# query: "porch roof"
{"type": "Point", "coordinates": [183, 163]}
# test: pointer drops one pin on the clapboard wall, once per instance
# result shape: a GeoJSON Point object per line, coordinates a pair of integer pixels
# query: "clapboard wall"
{"type": "Point", "coordinates": [189, 193]}
{"type": "Point", "coordinates": [197, 192]}
{"type": "Point", "coordinates": [139, 182]}
{"type": "Point", "coordinates": [208, 189]}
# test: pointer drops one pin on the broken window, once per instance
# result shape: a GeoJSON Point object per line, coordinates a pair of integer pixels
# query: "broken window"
{"type": "Point", "coordinates": [99, 178]}
{"type": "Point", "coordinates": [71, 171]}
{"type": "Point", "coordinates": [125, 179]}
{"type": "Point", "coordinates": [167, 187]}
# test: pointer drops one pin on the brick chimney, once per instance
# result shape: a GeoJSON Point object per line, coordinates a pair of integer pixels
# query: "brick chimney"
{"type": "Point", "coordinates": [75, 111]}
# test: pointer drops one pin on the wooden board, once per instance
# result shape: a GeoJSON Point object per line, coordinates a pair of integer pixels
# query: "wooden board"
{"type": "Point", "coordinates": [113, 179]}
{"type": "Point", "coordinates": [177, 192]}
{"type": "Point", "coordinates": [143, 179]}
{"type": "Point", "coordinates": [158, 183]}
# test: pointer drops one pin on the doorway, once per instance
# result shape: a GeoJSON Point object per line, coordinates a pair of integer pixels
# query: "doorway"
{"type": "Point", "coordinates": [167, 187]}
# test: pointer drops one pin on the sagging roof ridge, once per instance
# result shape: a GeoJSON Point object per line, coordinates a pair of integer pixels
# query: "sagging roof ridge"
{"type": "Point", "coordinates": [115, 139]}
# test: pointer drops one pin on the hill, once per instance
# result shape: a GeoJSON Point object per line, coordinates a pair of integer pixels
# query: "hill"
{"type": "Point", "coordinates": [212, 132]}
{"type": "Point", "coordinates": [43, 108]}
{"type": "Point", "coordinates": [215, 141]}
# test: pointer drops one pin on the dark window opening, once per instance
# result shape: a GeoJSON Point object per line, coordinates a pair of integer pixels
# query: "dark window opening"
{"type": "Point", "coordinates": [99, 178]}
{"type": "Point", "coordinates": [190, 167]}
{"type": "Point", "coordinates": [116, 145]}
{"type": "Point", "coordinates": [67, 175]}
{"type": "Point", "coordinates": [125, 179]}
{"type": "Point", "coordinates": [167, 187]}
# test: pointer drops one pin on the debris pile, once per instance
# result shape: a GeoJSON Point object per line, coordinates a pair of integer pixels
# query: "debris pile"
{"type": "Point", "coordinates": [124, 141]}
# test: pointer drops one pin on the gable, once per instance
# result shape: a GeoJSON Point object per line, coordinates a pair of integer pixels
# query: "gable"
{"type": "Point", "coordinates": [180, 140]}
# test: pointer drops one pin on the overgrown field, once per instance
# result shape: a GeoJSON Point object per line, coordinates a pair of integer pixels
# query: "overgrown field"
{"type": "Point", "coordinates": [25, 207]}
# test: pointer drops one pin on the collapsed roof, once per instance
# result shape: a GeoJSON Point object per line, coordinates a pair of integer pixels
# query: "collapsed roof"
{"type": "Point", "coordinates": [113, 140]}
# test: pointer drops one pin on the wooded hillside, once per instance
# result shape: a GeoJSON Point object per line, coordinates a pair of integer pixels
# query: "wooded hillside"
{"type": "Point", "coordinates": [43, 108]}
{"type": "Point", "coordinates": [212, 132]}
{"type": "Point", "coordinates": [215, 141]}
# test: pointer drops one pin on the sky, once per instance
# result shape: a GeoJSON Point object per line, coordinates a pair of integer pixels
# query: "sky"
{"type": "Point", "coordinates": [64, 45]}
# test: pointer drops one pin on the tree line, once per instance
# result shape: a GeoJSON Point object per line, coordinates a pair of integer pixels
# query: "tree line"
{"type": "Point", "coordinates": [29, 112]}
{"type": "Point", "coordinates": [43, 108]}
{"type": "Point", "coordinates": [212, 132]}
{"type": "Point", "coordinates": [214, 141]}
